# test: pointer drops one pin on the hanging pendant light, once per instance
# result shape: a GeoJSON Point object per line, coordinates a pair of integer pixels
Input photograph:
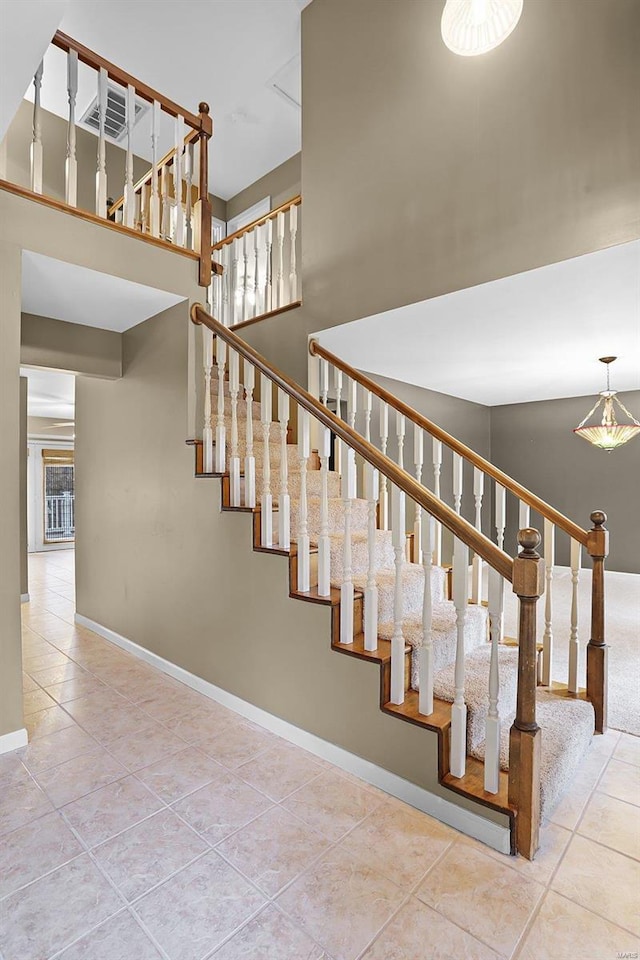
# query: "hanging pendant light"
{"type": "Point", "coordinates": [472, 27]}
{"type": "Point", "coordinates": [609, 434]}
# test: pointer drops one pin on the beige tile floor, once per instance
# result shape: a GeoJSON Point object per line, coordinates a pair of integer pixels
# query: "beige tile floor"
{"type": "Point", "coordinates": [144, 821]}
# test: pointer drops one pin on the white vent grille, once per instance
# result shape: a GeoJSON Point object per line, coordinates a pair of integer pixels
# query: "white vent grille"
{"type": "Point", "coordinates": [115, 120]}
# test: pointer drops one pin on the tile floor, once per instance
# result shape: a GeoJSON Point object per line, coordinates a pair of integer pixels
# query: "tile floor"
{"type": "Point", "coordinates": [144, 821]}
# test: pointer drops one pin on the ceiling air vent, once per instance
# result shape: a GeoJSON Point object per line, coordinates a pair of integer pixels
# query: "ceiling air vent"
{"type": "Point", "coordinates": [115, 121]}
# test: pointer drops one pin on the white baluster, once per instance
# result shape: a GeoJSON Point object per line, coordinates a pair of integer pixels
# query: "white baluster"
{"type": "Point", "coordinates": [245, 276]}
{"type": "Point", "coordinates": [284, 501]}
{"type": "Point", "coordinates": [36, 142]}
{"type": "Point", "coordinates": [324, 545]}
{"type": "Point", "coordinates": [188, 179]}
{"type": "Point", "coordinates": [368, 400]}
{"type": "Point", "coordinates": [547, 640]}
{"type": "Point", "coordinates": [257, 233]}
{"type": "Point", "coordinates": [280, 259]}
{"type": "Point", "coordinates": [352, 402]}
{"type": "Point", "coordinates": [398, 524]}
{"type": "Point", "coordinates": [266, 522]}
{"type": "Point", "coordinates": [418, 460]}
{"type": "Point", "coordinates": [524, 515]}
{"type": "Point", "coordinates": [437, 530]}
{"type": "Point", "coordinates": [177, 182]}
{"type": "Point", "coordinates": [154, 206]}
{"type": "Point", "coordinates": [71, 164]}
{"type": "Point", "coordinates": [221, 356]}
{"type": "Point", "coordinates": [129, 213]}
{"type": "Point", "coordinates": [458, 474]}
{"type": "Point", "coordinates": [400, 432]}
{"type": "Point", "coordinates": [234, 459]}
{"type": "Point", "coordinates": [372, 490]}
{"type": "Point", "coordinates": [346, 586]}
{"type": "Point", "coordinates": [425, 662]}
{"type": "Point", "coordinates": [304, 450]}
{"type": "Point", "coordinates": [268, 273]}
{"type": "Point", "coordinates": [384, 486]}
{"type": "Point", "coordinates": [236, 282]}
{"type": "Point", "coordinates": [574, 643]}
{"type": "Point", "coordinates": [226, 293]}
{"type": "Point", "coordinates": [337, 386]}
{"type": "Point", "coordinates": [293, 272]}
{"type": "Point", "coordinates": [166, 206]}
{"type": "Point", "coordinates": [101, 170]}
{"type": "Point", "coordinates": [324, 381]}
{"type": "Point", "coordinates": [458, 757]}
{"type": "Point", "coordinates": [492, 748]}
{"type": "Point", "coordinates": [249, 377]}
{"type": "Point", "coordinates": [207, 430]}
{"type": "Point", "coordinates": [501, 514]}
{"type": "Point", "coordinates": [476, 568]}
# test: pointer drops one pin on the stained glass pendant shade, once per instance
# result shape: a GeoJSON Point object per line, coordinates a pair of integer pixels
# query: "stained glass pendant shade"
{"type": "Point", "coordinates": [608, 434]}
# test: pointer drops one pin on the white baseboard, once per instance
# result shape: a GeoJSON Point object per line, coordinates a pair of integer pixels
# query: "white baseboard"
{"type": "Point", "coordinates": [13, 741]}
{"type": "Point", "coordinates": [467, 822]}
{"type": "Point", "coordinates": [24, 598]}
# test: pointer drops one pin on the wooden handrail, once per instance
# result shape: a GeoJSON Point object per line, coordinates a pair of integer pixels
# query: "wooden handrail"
{"type": "Point", "coordinates": [164, 161]}
{"type": "Point", "coordinates": [546, 510]}
{"type": "Point", "coordinates": [94, 60]}
{"type": "Point", "coordinates": [458, 526]}
{"type": "Point", "coordinates": [294, 202]}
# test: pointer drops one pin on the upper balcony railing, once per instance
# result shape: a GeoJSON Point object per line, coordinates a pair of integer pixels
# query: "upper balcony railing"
{"type": "Point", "coordinates": [170, 204]}
{"type": "Point", "coordinates": [259, 268]}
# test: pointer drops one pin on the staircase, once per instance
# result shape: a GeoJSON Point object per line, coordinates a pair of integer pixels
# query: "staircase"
{"type": "Point", "coordinates": [435, 648]}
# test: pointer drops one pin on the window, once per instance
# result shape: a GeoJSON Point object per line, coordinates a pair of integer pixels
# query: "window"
{"type": "Point", "coordinates": [58, 493]}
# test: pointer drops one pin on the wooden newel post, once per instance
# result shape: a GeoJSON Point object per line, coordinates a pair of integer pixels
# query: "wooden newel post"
{"type": "Point", "coordinates": [525, 735]}
{"type": "Point", "coordinates": [597, 650]}
{"type": "Point", "coordinates": [203, 216]}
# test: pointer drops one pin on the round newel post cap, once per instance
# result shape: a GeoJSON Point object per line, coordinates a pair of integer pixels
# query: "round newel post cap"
{"type": "Point", "coordinates": [203, 107]}
{"type": "Point", "coordinates": [598, 518]}
{"type": "Point", "coordinates": [529, 539]}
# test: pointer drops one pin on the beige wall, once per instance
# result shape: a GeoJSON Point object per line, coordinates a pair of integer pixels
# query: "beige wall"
{"type": "Point", "coordinates": [183, 580]}
{"type": "Point", "coordinates": [24, 571]}
{"type": "Point", "coordinates": [45, 342]}
{"type": "Point", "coordinates": [281, 184]}
{"type": "Point", "coordinates": [533, 443]}
{"type": "Point", "coordinates": [10, 640]}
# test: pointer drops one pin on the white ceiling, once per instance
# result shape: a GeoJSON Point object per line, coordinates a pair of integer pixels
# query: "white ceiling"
{"type": "Point", "coordinates": [65, 291]}
{"type": "Point", "coordinates": [50, 393]}
{"type": "Point", "coordinates": [229, 53]}
{"type": "Point", "coordinates": [534, 336]}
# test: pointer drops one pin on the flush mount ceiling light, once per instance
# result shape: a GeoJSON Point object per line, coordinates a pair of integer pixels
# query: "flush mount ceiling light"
{"type": "Point", "coordinates": [472, 27]}
{"type": "Point", "coordinates": [609, 434]}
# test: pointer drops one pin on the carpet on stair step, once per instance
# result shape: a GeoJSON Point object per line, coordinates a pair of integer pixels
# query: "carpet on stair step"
{"type": "Point", "coordinates": [412, 590]}
{"type": "Point", "coordinates": [359, 513]}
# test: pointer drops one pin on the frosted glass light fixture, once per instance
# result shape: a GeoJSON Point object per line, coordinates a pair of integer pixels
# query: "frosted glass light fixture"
{"type": "Point", "coordinates": [472, 27]}
{"type": "Point", "coordinates": [608, 434]}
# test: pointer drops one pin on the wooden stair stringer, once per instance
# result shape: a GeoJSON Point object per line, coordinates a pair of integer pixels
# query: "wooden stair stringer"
{"type": "Point", "coordinates": [471, 785]}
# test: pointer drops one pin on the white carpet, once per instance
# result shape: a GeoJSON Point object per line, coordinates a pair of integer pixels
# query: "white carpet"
{"type": "Point", "coordinates": [622, 634]}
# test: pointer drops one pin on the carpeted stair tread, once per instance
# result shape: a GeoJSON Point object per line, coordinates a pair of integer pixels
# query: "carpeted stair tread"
{"type": "Point", "coordinates": [360, 553]}
{"type": "Point", "coordinates": [314, 484]}
{"type": "Point", "coordinates": [359, 514]}
{"type": "Point", "coordinates": [567, 727]}
{"type": "Point", "coordinates": [412, 590]}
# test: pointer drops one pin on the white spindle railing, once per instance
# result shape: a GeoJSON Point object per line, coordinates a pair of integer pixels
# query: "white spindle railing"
{"type": "Point", "coordinates": [36, 142]}
{"type": "Point", "coordinates": [524, 515]}
{"type": "Point", "coordinates": [500, 514]}
{"type": "Point", "coordinates": [398, 524]}
{"type": "Point", "coordinates": [101, 170]}
{"type": "Point", "coordinates": [547, 640]}
{"type": "Point", "coordinates": [458, 475]}
{"type": "Point", "coordinates": [245, 240]}
{"type": "Point", "coordinates": [284, 500]}
{"type": "Point", "coordinates": [266, 508]}
{"type": "Point", "coordinates": [268, 275]}
{"type": "Point", "coordinates": [418, 460]}
{"type": "Point", "coordinates": [368, 400]}
{"type": "Point", "coordinates": [324, 544]}
{"type": "Point", "coordinates": [425, 665]}
{"type": "Point", "coordinates": [384, 485]}
{"type": "Point", "coordinates": [129, 209]}
{"type": "Point", "coordinates": [154, 202]}
{"type": "Point", "coordinates": [71, 163]}
{"type": "Point", "coordinates": [234, 459]}
{"type": "Point", "coordinates": [207, 429]}
{"type": "Point", "coordinates": [293, 267]}
{"type": "Point", "coordinates": [476, 567]}
{"type": "Point", "coordinates": [401, 427]}
{"type": "Point", "coordinates": [337, 388]}
{"type": "Point", "coordinates": [574, 641]}
{"type": "Point", "coordinates": [304, 451]}
{"type": "Point", "coordinates": [324, 382]}
{"type": "Point", "coordinates": [346, 586]}
{"type": "Point", "coordinates": [257, 237]}
{"type": "Point", "coordinates": [178, 234]}
{"type": "Point", "coordinates": [280, 259]}
{"type": "Point", "coordinates": [457, 760]}
{"type": "Point", "coordinates": [221, 357]}
{"type": "Point", "coordinates": [371, 492]}
{"type": "Point", "coordinates": [436, 448]}
{"type": "Point", "coordinates": [492, 749]}
{"type": "Point", "coordinates": [249, 459]}
{"type": "Point", "coordinates": [188, 203]}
